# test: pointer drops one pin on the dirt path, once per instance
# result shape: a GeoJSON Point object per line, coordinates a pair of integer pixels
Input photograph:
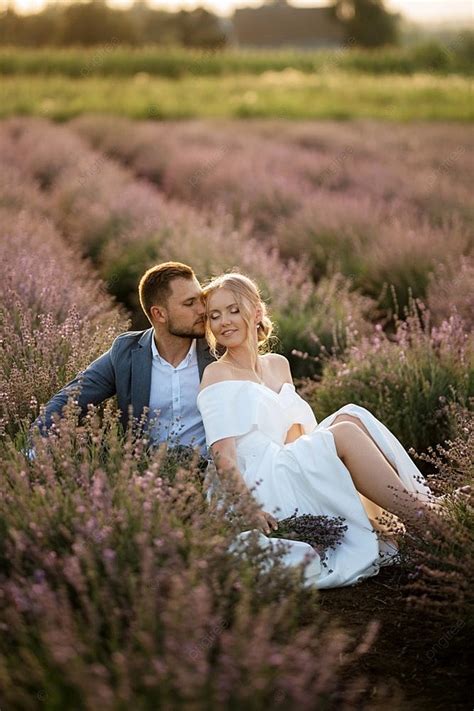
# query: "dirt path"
{"type": "Point", "coordinates": [425, 664]}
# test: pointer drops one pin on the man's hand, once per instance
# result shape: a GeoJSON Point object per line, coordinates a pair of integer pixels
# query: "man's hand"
{"type": "Point", "coordinates": [266, 522]}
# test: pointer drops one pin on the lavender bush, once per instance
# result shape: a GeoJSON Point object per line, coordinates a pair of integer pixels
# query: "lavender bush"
{"type": "Point", "coordinates": [55, 317]}
{"type": "Point", "coordinates": [118, 588]}
{"type": "Point", "coordinates": [404, 380]}
{"type": "Point", "coordinates": [441, 559]}
{"type": "Point", "coordinates": [117, 583]}
{"type": "Point", "coordinates": [451, 291]}
{"type": "Point", "coordinates": [125, 224]}
{"type": "Point", "coordinates": [319, 188]}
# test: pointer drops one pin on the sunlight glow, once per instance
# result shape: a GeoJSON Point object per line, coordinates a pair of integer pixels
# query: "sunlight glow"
{"type": "Point", "coordinates": [418, 10]}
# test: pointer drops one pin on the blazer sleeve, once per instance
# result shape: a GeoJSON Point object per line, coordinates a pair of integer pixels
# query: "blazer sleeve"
{"type": "Point", "coordinates": [91, 386]}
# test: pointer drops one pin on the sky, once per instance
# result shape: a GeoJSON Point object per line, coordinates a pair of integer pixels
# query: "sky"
{"type": "Point", "coordinates": [417, 10]}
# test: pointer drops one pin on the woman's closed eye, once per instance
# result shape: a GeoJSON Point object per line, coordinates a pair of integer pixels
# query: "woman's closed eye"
{"type": "Point", "coordinates": [215, 315]}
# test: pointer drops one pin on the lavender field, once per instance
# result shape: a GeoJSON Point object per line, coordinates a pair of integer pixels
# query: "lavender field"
{"type": "Point", "coordinates": [117, 587]}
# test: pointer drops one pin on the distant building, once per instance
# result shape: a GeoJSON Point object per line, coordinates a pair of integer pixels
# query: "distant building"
{"type": "Point", "coordinates": [278, 24]}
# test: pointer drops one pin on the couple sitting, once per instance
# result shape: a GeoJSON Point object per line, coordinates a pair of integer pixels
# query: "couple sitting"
{"type": "Point", "coordinates": [244, 407]}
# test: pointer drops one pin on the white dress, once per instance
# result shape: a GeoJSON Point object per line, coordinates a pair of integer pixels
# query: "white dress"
{"type": "Point", "coordinates": [307, 474]}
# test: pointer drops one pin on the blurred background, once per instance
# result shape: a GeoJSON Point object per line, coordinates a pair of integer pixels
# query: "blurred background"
{"type": "Point", "coordinates": [275, 23]}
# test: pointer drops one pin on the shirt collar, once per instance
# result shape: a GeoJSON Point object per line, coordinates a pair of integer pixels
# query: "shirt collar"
{"type": "Point", "coordinates": [186, 360]}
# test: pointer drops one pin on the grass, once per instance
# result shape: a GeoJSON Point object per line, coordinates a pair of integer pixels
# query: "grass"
{"type": "Point", "coordinates": [172, 62]}
{"type": "Point", "coordinates": [290, 94]}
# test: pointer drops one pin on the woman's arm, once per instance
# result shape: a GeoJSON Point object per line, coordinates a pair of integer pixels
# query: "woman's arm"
{"type": "Point", "coordinates": [224, 453]}
{"type": "Point", "coordinates": [225, 458]}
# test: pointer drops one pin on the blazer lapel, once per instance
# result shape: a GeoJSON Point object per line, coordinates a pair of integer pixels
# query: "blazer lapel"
{"type": "Point", "coordinates": [141, 373]}
{"type": "Point", "coordinates": [204, 356]}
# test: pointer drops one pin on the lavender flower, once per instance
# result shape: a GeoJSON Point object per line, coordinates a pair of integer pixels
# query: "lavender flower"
{"type": "Point", "coordinates": [321, 532]}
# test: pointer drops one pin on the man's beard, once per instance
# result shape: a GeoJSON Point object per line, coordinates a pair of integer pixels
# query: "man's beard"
{"type": "Point", "coordinates": [197, 331]}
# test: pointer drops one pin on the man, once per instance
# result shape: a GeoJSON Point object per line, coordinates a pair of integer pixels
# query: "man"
{"type": "Point", "coordinates": [159, 368]}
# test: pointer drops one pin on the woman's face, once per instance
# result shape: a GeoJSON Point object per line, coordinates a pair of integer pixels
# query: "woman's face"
{"type": "Point", "coordinates": [225, 319]}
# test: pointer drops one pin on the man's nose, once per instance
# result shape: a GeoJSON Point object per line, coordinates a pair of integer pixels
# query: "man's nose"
{"type": "Point", "coordinates": [201, 309]}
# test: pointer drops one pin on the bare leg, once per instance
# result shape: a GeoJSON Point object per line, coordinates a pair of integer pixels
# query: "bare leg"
{"type": "Point", "coordinates": [373, 476]}
{"type": "Point", "coordinates": [356, 421]}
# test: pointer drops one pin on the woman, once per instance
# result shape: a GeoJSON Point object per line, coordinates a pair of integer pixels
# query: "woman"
{"type": "Point", "coordinates": [348, 465]}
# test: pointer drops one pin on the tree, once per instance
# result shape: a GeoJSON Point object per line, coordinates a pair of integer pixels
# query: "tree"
{"type": "Point", "coordinates": [93, 23]}
{"type": "Point", "coordinates": [200, 28]}
{"type": "Point", "coordinates": [367, 22]}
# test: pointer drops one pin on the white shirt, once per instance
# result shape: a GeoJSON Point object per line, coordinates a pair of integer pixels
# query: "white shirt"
{"type": "Point", "coordinates": [173, 394]}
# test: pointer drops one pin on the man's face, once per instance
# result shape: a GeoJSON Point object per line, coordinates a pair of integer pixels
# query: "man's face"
{"type": "Point", "coordinates": [184, 311]}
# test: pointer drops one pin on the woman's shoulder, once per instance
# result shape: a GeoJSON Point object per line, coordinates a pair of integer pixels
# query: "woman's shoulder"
{"type": "Point", "coordinates": [278, 363]}
{"type": "Point", "coordinates": [214, 373]}
{"type": "Point", "coordinates": [276, 358]}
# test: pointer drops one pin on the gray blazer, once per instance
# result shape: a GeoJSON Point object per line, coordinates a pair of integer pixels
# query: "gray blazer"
{"type": "Point", "coordinates": [124, 370]}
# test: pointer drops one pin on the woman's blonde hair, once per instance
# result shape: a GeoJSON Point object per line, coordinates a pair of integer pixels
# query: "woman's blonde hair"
{"type": "Point", "coordinates": [247, 296]}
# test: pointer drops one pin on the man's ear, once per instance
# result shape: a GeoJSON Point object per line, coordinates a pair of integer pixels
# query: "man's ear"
{"type": "Point", "coordinates": [158, 313]}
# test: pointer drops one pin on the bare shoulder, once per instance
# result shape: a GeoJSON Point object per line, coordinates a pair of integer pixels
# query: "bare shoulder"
{"type": "Point", "coordinates": [279, 364]}
{"type": "Point", "coordinates": [215, 373]}
{"type": "Point", "coordinates": [276, 358]}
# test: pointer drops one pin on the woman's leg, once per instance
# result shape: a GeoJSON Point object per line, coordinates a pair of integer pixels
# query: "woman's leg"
{"type": "Point", "coordinates": [360, 424]}
{"type": "Point", "coordinates": [373, 476]}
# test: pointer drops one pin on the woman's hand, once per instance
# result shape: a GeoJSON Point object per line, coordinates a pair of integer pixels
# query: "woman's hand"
{"type": "Point", "coordinates": [266, 522]}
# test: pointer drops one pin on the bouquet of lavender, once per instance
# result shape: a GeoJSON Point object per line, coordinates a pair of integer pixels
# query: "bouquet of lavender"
{"type": "Point", "coordinates": [321, 532]}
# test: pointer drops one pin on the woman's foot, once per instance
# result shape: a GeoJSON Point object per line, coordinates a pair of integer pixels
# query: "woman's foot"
{"type": "Point", "coordinates": [437, 504]}
{"type": "Point", "coordinates": [462, 493]}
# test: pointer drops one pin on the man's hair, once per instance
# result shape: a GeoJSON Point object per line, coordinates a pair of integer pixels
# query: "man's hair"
{"type": "Point", "coordinates": [154, 288]}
